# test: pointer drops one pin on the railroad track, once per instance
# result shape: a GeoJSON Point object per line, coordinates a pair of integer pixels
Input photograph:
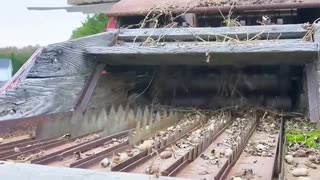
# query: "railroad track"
{"type": "Point", "coordinates": [226, 145]}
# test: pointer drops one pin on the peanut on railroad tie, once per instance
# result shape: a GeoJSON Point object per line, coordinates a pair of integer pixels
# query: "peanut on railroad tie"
{"type": "Point", "coordinates": [105, 162]}
{"type": "Point", "coordinates": [289, 159]}
{"type": "Point", "coordinates": [16, 149]}
{"type": "Point", "coordinates": [146, 145]}
{"type": "Point", "coordinates": [297, 172]}
{"type": "Point", "coordinates": [228, 152]}
{"type": "Point", "coordinates": [166, 155]}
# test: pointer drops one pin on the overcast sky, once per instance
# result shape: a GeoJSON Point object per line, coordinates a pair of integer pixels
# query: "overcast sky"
{"type": "Point", "coordinates": [21, 27]}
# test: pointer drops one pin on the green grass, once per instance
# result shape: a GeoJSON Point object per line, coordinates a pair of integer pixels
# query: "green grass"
{"type": "Point", "coordinates": [310, 139]}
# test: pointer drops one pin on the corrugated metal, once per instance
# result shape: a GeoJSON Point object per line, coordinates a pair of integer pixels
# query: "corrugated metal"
{"type": "Point", "coordinates": [143, 7]}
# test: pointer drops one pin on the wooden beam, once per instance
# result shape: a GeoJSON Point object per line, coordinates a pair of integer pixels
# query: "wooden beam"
{"type": "Point", "coordinates": [249, 52]}
{"type": "Point", "coordinates": [241, 32]}
{"type": "Point", "coordinates": [89, 88]}
{"type": "Point", "coordinates": [313, 91]}
{"type": "Point", "coordinates": [91, 83]}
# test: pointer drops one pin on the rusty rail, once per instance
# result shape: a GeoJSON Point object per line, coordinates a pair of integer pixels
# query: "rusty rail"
{"type": "Point", "coordinates": [89, 162]}
{"type": "Point", "coordinates": [28, 146]}
{"type": "Point", "coordinates": [38, 147]}
{"type": "Point", "coordinates": [145, 155]}
{"type": "Point", "coordinates": [238, 150]}
{"type": "Point", "coordinates": [159, 147]}
{"type": "Point", "coordinates": [280, 150]}
{"type": "Point", "coordinates": [97, 155]}
{"type": "Point", "coordinates": [63, 154]}
{"type": "Point", "coordinates": [196, 151]}
{"type": "Point", "coordinates": [80, 147]}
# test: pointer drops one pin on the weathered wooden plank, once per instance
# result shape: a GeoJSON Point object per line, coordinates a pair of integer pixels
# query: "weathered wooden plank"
{"type": "Point", "coordinates": [66, 58]}
{"type": "Point", "coordinates": [35, 96]}
{"type": "Point", "coordinates": [186, 43]}
{"type": "Point", "coordinates": [145, 7]}
{"type": "Point", "coordinates": [313, 82]}
{"type": "Point", "coordinates": [248, 52]}
{"type": "Point", "coordinates": [313, 91]}
{"type": "Point", "coordinates": [55, 81]}
{"type": "Point", "coordinates": [89, 88]}
{"type": "Point", "coordinates": [241, 32]}
{"type": "Point", "coordinates": [93, 79]}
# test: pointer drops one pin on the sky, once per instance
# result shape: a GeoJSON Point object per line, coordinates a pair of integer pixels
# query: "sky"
{"type": "Point", "coordinates": [21, 27]}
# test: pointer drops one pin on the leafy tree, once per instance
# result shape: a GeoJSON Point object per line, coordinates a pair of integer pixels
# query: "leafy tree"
{"type": "Point", "coordinates": [18, 55]}
{"type": "Point", "coordinates": [92, 25]}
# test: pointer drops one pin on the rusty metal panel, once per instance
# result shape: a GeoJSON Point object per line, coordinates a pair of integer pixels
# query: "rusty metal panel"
{"type": "Point", "coordinates": [143, 7]}
{"type": "Point", "coordinates": [28, 125]}
{"type": "Point", "coordinates": [313, 91]}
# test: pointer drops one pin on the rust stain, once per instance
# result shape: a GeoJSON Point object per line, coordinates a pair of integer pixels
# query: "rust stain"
{"type": "Point", "coordinates": [143, 7]}
{"type": "Point", "coordinates": [26, 126]}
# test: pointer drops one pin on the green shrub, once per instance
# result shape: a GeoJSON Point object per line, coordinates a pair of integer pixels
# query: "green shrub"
{"type": "Point", "coordinates": [92, 25]}
{"type": "Point", "coordinates": [18, 56]}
